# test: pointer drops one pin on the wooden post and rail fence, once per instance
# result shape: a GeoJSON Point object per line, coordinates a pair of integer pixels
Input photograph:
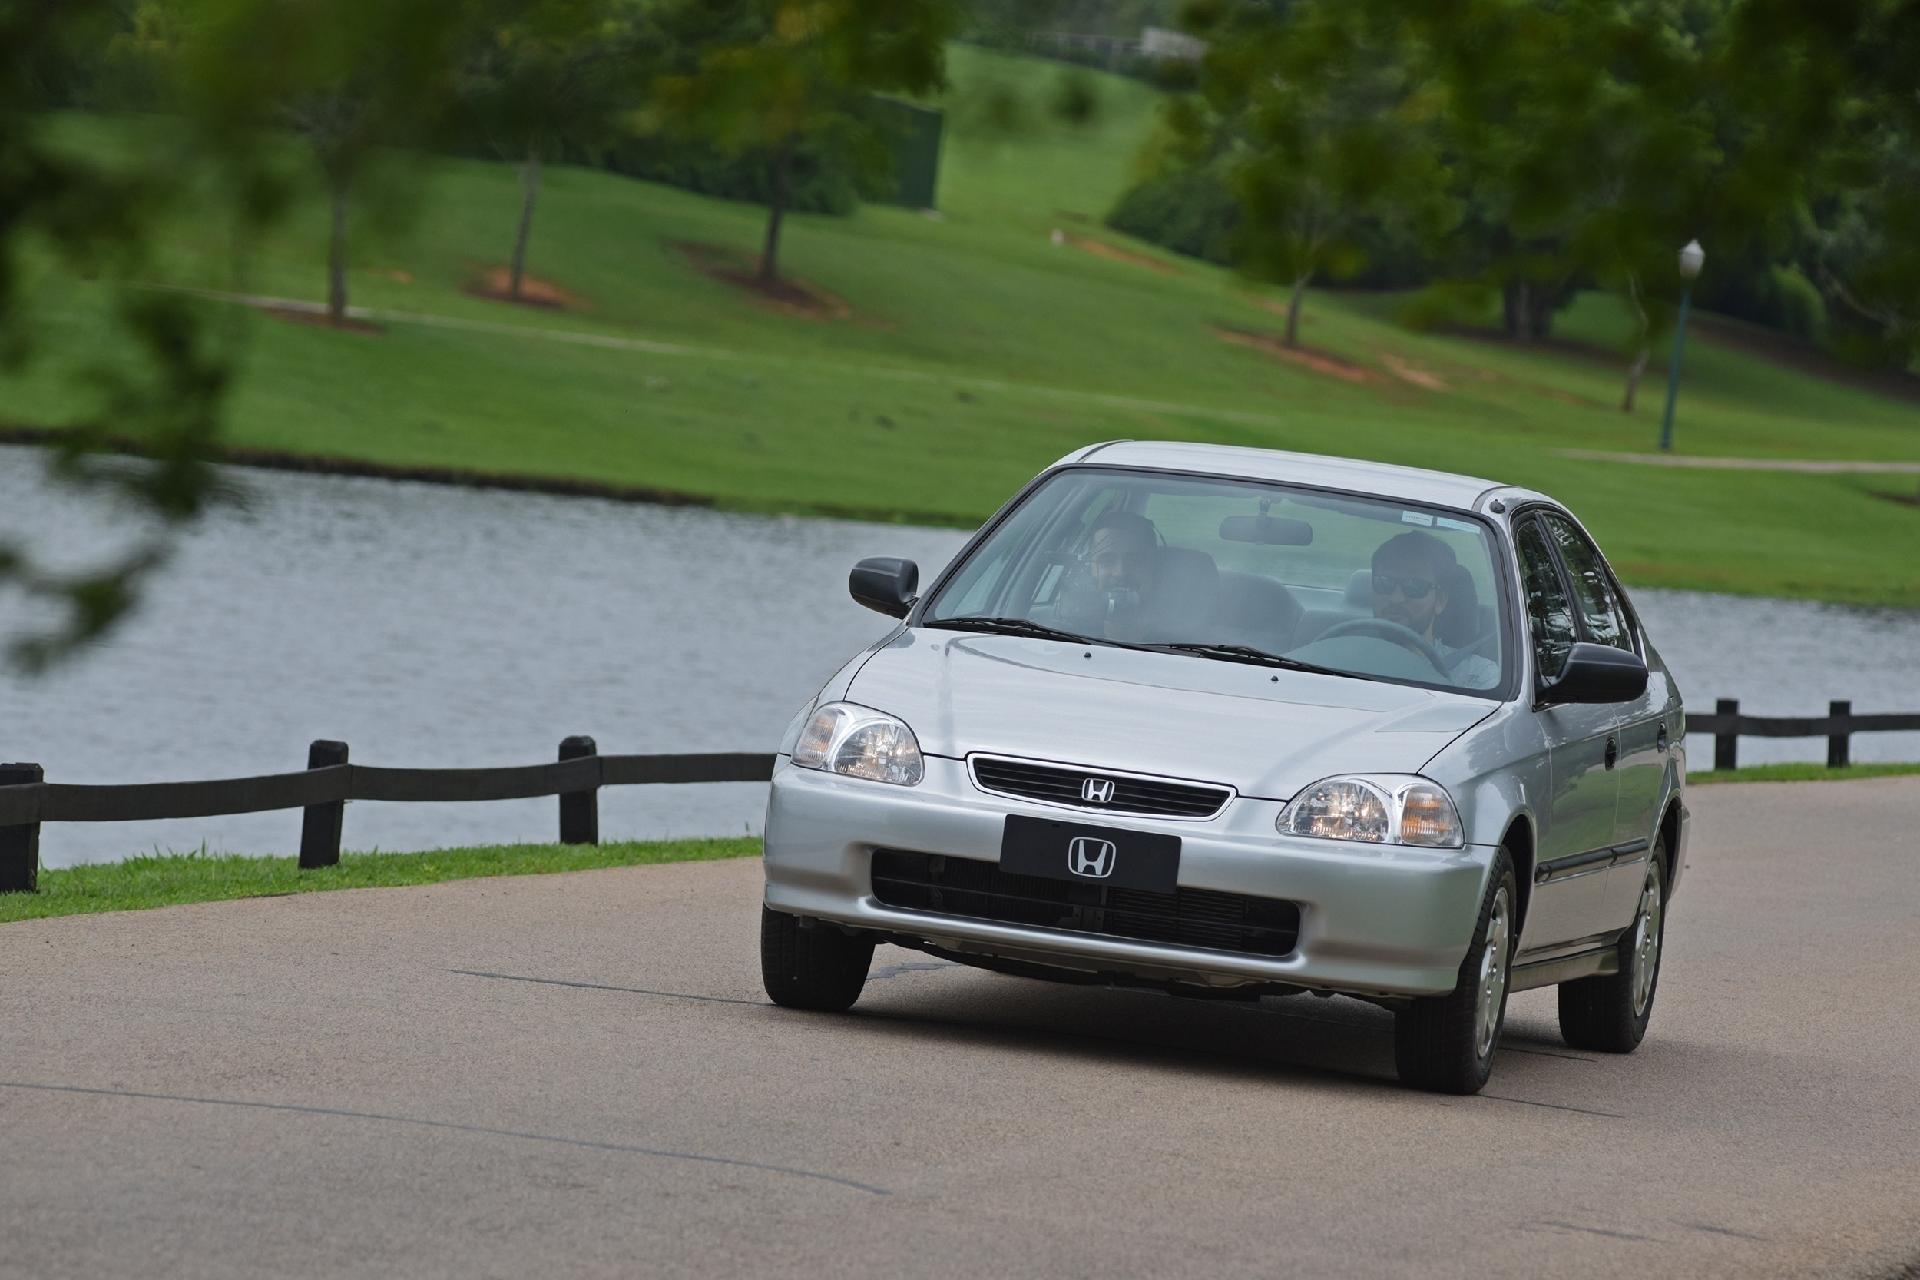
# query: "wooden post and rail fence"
{"type": "Point", "coordinates": [322, 789]}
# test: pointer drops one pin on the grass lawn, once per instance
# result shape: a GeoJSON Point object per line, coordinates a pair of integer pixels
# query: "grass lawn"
{"type": "Point", "coordinates": [1796, 772]}
{"type": "Point", "coordinates": [955, 356]}
{"type": "Point", "coordinates": [170, 879]}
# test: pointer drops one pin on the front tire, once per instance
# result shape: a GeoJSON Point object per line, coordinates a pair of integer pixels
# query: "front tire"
{"type": "Point", "coordinates": [1445, 1043]}
{"type": "Point", "coordinates": [1610, 1013]}
{"type": "Point", "coordinates": [811, 964]}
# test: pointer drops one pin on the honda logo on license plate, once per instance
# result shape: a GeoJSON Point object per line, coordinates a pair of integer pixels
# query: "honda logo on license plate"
{"type": "Point", "coordinates": [1091, 858]}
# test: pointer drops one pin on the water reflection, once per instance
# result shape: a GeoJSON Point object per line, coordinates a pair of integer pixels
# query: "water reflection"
{"type": "Point", "coordinates": [438, 626]}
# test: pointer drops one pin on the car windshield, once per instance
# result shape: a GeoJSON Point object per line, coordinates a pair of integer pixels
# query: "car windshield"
{"type": "Point", "coordinates": [1241, 570]}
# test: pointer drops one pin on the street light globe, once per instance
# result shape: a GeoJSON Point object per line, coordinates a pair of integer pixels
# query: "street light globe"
{"type": "Point", "coordinates": [1691, 259]}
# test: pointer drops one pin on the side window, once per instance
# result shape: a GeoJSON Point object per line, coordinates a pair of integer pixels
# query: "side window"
{"type": "Point", "coordinates": [1549, 608]}
{"type": "Point", "coordinates": [1604, 621]}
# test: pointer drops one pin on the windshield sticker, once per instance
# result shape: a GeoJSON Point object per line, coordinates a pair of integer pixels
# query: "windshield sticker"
{"type": "Point", "coordinates": [1416, 517]}
{"type": "Point", "coordinates": [1447, 522]}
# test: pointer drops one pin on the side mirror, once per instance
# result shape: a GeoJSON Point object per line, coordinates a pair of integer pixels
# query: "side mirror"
{"type": "Point", "coordinates": [1596, 673]}
{"type": "Point", "coordinates": [885, 584]}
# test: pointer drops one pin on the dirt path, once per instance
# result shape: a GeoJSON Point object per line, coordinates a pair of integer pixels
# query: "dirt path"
{"type": "Point", "coordinates": [1804, 466]}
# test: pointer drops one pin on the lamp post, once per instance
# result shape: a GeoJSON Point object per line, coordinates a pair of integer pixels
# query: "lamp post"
{"type": "Point", "coordinates": [1691, 259]}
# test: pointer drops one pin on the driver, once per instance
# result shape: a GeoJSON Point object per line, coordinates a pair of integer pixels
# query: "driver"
{"type": "Point", "coordinates": [1408, 572]}
{"type": "Point", "coordinates": [1122, 571]}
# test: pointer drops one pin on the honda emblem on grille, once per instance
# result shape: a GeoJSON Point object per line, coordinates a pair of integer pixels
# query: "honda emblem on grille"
{"type": "Point", "coordinates": [1097, 791]}
{"type": "Point", "coordinates": [1090, 858]}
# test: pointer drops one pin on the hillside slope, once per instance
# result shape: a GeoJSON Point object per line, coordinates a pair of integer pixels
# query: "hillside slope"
{"type": "Point", "coordinates": [926, 366]}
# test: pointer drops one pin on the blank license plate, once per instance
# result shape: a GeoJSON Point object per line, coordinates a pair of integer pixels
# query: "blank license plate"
{"type": "Point", "coordinates": [1105, 856]}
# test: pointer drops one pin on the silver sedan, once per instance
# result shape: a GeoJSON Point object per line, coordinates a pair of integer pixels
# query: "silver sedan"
{"type": "Point", "coordinates": [1231, 722]}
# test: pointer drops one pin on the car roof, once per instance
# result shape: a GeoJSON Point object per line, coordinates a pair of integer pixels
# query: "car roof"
{"type": "Point", "coordinates": [1434, 488]}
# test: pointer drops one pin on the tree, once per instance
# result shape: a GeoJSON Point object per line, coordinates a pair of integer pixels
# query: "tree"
{"type": "Point", "coordinates": [1864, 253]}
{"type": "Point", "coordinates": [1313, 111]}
{"type": "Point", "coordinates": [772, 74]}
{"type": "Point", "coordinates": [1840, 134]}
{"type": "Point", "coordinates": [349, 76]}
{"type": "Point", "coordinates": [226, 66]}
{"type": "Point", "coordinates": [1587, 140]}
{"type": "Point", "coordinates": [559, 73]}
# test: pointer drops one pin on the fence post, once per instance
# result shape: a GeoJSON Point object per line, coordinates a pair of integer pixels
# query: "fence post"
{"type": "Point", "coordinates": [1838, 743]}
{"type": "Point", "coordinates": [579, 810]}
{"type": "Point", "coordinates": [20, 846]}
{"type": "Point", "coordinates": [320, 823]}
{"type": "Point", "coordinates": [1726, 752]}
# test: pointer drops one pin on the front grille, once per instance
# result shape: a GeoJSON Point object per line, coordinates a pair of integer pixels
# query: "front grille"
{"type": "Point", "coordinates": [1184, 918]}
{"type": "Point", "coordinates": [1062, 784]}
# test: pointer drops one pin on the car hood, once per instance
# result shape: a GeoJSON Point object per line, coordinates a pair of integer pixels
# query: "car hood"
{"type": "Point", "coordinates": [1263, 731]}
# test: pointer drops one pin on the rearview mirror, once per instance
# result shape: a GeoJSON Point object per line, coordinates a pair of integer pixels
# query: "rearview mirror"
{"type": "Point", "coordinates": [1272, 531]}
{"type": "Point", "coordinates": [1596, 673]}
{"type": "Point", "coordinates": [885, 584]}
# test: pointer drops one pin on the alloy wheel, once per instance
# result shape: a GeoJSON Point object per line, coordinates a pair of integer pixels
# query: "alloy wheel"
{"type": "Point", "coordinates": [1646, 943]}
{"type": "Point", "coordinates": [1493, 975]}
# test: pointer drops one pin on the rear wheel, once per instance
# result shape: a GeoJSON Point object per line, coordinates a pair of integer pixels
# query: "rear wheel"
{"type": "Point", "coordinates": [1445, 1043]}
{"type": "Point", "coordinates": [810, 964]}
{"type": "Point", "coordinates": [1610, 1013]}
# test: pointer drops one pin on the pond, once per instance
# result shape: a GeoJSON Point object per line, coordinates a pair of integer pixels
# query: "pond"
{"type": "Point", "coordinates": [436, 626]}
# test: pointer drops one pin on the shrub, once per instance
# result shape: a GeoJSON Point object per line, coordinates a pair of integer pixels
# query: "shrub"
{"type": "Point", "coordinates": [1188, 211]}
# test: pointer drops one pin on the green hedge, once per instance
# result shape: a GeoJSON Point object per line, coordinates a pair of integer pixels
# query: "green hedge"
{"type": "Point", "coordinates": [1191, 211]}
{"type": "Point", "coordinates": [823, 179]}
{"type": "Point", "coordinates": [1188, 211]}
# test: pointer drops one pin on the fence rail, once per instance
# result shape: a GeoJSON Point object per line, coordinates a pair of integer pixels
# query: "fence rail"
{"type": "Point", "coordinates": [1728, 726]}
{"type": "Point", "coordinates": [322, 789]}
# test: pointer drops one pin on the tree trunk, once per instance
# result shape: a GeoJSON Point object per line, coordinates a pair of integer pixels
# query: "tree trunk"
{"type": "Point", "coordinates": [1293, 310]}
{"type": "Point", "coordinates": [777, 211]}
{"type": "Point", "coordinates": [1523, 310]}
{"type": "Point", "coordinates": [1634, 374]}
{"type": "Point", "coordinates": [1542, 302]}
{"type": "Point", "coordinates": [529, 193]}
{"type": "Point", "coordinates": [337, 255]}
{"type": "Point", "coordinates": [1639, 366]}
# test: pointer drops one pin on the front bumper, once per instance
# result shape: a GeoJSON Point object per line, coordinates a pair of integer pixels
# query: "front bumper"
{"type": "Point", "coordinates": [1373, 920]}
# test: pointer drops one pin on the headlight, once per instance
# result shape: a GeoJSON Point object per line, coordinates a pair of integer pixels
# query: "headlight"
{"type": "Point", "coordinates": [860, 743]}
{"type": "Point", "coordinates": [1379, 809]}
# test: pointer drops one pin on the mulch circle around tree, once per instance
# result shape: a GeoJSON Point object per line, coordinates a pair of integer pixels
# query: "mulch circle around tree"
{"type": "Point", "coordinates": [788, 295]}
{"type": "Point", "coordinates": [496, 285]}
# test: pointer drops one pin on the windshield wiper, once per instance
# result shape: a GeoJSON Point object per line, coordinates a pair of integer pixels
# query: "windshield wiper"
{"type": "Point", "coordinates": [1014, 627]}
{"type": "Point", "coordinates": [1247, 653]}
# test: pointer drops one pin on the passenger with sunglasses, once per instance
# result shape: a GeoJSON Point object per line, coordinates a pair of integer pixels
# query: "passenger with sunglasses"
{"type": "Point", "coordinates": [1410, 572]}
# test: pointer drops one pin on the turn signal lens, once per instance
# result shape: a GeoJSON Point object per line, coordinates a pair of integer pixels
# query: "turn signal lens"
{"type": "Point", "coordinates": [1383, 809]}
{"type": "Point", "coordinates": [1427, 817]}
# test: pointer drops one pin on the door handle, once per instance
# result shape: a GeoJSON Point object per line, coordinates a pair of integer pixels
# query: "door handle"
{"type": "Point", "coordinates": [1660, 740]}
{"type": "Point", "coordinates": [1613, 750]}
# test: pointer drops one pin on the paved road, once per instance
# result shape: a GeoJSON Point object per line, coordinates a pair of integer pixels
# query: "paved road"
{"type": "Point", "coordinates": [578, 1075]}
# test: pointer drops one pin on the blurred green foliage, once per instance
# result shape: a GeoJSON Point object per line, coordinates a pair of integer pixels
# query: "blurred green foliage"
{"type": "Point", "coordinates": [1581, 144]}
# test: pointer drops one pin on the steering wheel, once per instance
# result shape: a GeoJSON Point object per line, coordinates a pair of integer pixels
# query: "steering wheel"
{"type": "Point", "coordinates": [1385, 629]}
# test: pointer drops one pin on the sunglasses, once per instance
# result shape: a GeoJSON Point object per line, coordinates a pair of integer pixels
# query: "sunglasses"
{"type": "Point", "coordinates": [1385, 584]}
